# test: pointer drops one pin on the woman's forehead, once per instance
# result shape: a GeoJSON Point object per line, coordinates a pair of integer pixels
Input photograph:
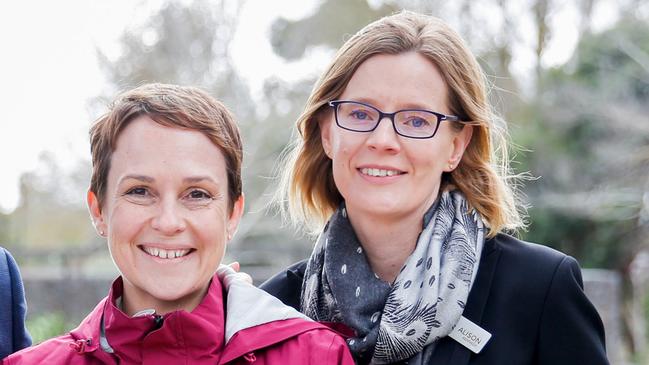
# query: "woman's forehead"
{"type": "Point", "coordinates": [406, 80]}
{"type": "Point", "coordinates": [146, 147]}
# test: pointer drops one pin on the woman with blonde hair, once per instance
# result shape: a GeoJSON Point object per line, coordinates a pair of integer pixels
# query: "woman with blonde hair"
{"type": "Point", "coordinates": [401, 167]}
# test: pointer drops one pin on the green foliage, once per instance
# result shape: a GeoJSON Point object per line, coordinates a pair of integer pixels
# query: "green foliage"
{"type": "Point", "coordinates": [615, 62]}
{"type": "Point", "coordinates": [287, 37]}
{"type": "Point", "coordinates": [643, 357]}
{"type": "Point", "coordinates": [47, 326]}
{"type": "Point", "coordinates": [5, 220]}
{"type": "Point", "coordinates": [587, 131]}
{"type": "Point", "coordinates": [598, 243]}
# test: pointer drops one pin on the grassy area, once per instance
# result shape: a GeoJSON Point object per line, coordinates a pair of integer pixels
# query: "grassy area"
{"type": "Point", "coordinates": [48, 325]}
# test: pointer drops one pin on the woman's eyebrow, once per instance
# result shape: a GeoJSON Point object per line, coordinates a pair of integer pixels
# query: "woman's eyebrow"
{"type": "Point", "coordinates": [148, 179]}
{"type": "Point", "coordinates": [195, 179]}
{"type": "Point", "coordinates": [142, 178]}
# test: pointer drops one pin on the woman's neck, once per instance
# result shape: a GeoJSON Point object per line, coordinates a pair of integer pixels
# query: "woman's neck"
{"type": "Point", "coordinates": [135, 300]}
{"type": "Point", "coordinates": [387, 241]}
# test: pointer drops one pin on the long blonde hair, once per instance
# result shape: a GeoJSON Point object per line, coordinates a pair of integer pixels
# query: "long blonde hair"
{"type": "Point", "coordinates": [307, 183]}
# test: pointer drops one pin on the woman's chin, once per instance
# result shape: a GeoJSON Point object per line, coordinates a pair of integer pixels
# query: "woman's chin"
{"type": "Point", "coordinates": [167, 295]}
{"type": "Point", "coordinates": [379, 206]}
{"type": "Point", "coordinates": [177, 291]}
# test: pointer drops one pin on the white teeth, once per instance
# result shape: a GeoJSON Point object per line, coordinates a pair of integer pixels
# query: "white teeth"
{"type": "Point", "coordinates": [165, 254]}
{"type": "Point", "coordinates": [379, 172]}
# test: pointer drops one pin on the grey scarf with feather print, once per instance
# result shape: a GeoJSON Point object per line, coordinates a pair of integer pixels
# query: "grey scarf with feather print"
{"type": "Point", "coordinates": [403, 320]}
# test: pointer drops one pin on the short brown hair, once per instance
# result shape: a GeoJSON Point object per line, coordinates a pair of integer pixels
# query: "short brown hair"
{"type": "Point", "coordinates": [171, 106]}
{"type": "Point", "coordinates": [483, 173]}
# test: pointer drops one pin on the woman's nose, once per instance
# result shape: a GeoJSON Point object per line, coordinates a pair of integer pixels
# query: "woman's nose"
{"type": "Point", "coordinates": [168, 219]}
{"type": "Point", "coordinates": [384, 137]}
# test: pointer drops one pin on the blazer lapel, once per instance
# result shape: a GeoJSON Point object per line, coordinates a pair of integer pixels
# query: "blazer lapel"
{"type": "Point", "coordinates": [449, 348]}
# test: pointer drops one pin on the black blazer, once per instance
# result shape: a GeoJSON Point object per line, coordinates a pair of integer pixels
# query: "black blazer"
{"type": "Point", "coordinates": [529, 297]}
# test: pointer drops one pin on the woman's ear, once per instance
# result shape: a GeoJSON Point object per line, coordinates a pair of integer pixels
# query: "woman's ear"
{"type": "Point", "coordinates": [325, 134]}
{"type": "Point", "coordinates": [235, 216]}
{"type": "Point", "coordinates": [460, 142]}
{"type": "Point", "coordinates": [95, 213]}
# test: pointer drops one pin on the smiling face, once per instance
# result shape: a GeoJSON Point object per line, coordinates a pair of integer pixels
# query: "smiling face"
{"type": "Point", "coordinates": [165, 214]}
{"type": "Point", "coordinates": [380, 173]}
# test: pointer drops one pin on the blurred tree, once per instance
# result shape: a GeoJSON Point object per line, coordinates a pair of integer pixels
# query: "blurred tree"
{"type": "Point", "coordinates": [186, 44]}
{"type": "Point", "coordinates": [329, 25]}
{"type": "Point", "coordinates": [589, 131]}
{"type": "Point", "coordinates": [4, 228]}
{"type": "Point", "coordinates": [51, 213]}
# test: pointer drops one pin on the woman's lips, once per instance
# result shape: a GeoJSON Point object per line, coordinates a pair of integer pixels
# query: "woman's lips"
{"type": "Point", "coordinates": [380, 172]}
{"type": "Point", "coordinates": [167, 254]}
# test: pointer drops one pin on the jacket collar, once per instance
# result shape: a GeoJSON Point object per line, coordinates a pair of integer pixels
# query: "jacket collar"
{"type": "Point", "coordinates": [255, 320]}
{"type": "Point", "coordinates": [195, 334]}
{"type": "Point", "coordinates": [249, 306]}
{"type": "Point", "coordinates": [86, 336]}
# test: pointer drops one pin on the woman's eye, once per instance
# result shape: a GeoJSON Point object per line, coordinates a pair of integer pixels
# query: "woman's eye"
{"type": "Point", "coordinates": [137, 192]}
{"type": "Point", "coordinates": [139, 195]}
{"type": "Point", "coordinates": [198, 195]}
{"type": "Point", "coordinates": [198, 198]}
{"type": "Point", "coordinates": [419, 122]}
{"type": "Point", "coordinates": [359, 114]}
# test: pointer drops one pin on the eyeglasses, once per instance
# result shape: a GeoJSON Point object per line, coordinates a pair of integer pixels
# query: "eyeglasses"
{"type": "Point", "coordinates": [412, 123]}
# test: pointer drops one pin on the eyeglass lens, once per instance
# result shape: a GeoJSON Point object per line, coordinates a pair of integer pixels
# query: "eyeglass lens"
{"type": "Point", "coordinates": [363, 118]}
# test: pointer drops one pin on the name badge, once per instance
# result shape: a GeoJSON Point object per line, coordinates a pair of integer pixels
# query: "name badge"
{"type": "Point", "coordinates": [470, 335]}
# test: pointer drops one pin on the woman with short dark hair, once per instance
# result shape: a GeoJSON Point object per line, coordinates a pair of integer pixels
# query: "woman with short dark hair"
{"type": "Point", "coordinates": [166, 194]}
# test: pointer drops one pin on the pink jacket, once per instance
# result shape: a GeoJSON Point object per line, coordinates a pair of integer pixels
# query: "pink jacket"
{"type": "Point", "coordinates": [255, 328]}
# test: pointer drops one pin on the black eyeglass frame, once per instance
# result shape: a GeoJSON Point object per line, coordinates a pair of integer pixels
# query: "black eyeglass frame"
{"type": "Point", "coordinates": [440, 117]}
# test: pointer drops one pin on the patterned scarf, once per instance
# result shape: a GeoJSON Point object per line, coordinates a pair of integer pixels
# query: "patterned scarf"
{"type": "Point", "coordinates": [396, 322]}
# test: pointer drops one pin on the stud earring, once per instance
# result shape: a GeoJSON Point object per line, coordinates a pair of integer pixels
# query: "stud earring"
{"type": "Point", "coordinates": [101, 233]}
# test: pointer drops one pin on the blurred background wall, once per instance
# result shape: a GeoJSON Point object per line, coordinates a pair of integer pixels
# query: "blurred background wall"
{"type": "Point", "coordinates": [570, 77]}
